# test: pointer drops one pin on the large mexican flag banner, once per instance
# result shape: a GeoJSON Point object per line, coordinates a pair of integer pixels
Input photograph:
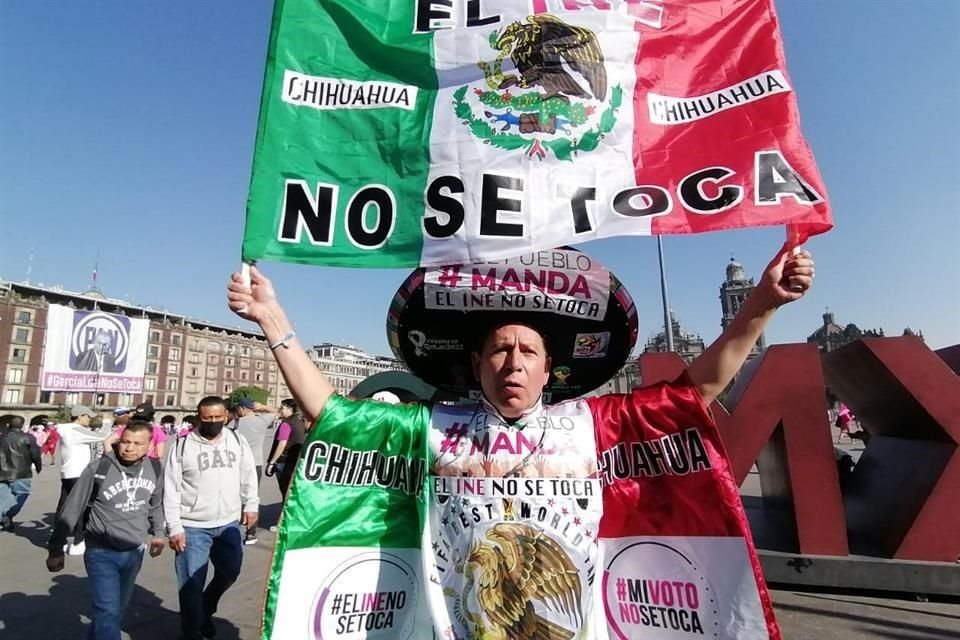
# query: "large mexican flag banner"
{"type": "Point", "coordinates": [394, 133]}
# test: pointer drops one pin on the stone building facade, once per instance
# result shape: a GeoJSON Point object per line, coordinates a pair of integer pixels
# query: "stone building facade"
{"type": "Point", "coordinates": [347, 366]}
{"type": "Point", "coordinates": [687, 345]}
{"type": "Point", "coordinates": [733, 293]}
{"type": "Point", "coordinates": [830, 336]}
{"type": "Point", "coordinates": [186, 359]}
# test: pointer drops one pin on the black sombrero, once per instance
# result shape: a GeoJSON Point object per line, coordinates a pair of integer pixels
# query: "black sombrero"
{"type": "Point", "coordinates": [587, 317]}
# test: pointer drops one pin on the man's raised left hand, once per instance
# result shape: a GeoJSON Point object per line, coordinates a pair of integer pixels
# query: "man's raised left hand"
{"type": "Point", "coordinates": [786, 279]}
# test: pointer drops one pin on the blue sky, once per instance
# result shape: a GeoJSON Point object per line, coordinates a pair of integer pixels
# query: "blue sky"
{"type": "Point", "coordinates": [127, 128]}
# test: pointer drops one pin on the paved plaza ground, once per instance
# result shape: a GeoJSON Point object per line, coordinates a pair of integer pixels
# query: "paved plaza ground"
{"type": "Point", "coordinates": [36, 604]}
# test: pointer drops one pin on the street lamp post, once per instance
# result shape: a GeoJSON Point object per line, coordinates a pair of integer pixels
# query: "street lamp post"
{"type": "Point", "coordinates": [667, 324]}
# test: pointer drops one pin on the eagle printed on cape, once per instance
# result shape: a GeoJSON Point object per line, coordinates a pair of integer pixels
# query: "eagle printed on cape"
{"type": "Point", "coordinates": [557, 101]}
{"type": "Point", "coordinates": [518, 566]}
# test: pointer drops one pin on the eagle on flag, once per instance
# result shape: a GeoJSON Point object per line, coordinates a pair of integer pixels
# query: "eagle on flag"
{"type": "Point", "coordinates": [545, 49]}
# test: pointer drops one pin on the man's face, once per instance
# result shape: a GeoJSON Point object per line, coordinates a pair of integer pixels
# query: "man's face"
{"type": "Point", "coordinates": [83, 421]}
{"type": "Point", "coordinates": [101, 342]}
{"type": "Point", "coordinates": [213, 413]}
{"type": "Point", "coordinates": [513, 368]}
{"type": "Point", "coordinates": [133, 445]}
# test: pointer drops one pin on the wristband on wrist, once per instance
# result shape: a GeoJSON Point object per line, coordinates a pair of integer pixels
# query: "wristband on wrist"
{"type": "Point", "coordinates": [284, 341]}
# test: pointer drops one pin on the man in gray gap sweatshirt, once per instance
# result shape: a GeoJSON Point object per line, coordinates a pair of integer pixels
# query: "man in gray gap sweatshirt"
{"type": "Point", "coordinates": [118, 501]}
{"type": "Point", "coordinates": [210, 487]}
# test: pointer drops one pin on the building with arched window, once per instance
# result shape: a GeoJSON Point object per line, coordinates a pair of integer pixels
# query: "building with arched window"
{"type": "Point", "coordinates": [186, 359]}
{"type": "Point", "coordinates": [346, 366]}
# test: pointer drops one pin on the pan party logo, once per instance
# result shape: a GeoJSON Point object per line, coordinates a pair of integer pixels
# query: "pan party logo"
{"type": "Point", "coordinates": [556, 102]}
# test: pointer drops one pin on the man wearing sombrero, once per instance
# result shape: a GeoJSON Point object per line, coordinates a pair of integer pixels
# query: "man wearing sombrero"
{"type": "Point", "coordinates": [614, 516]}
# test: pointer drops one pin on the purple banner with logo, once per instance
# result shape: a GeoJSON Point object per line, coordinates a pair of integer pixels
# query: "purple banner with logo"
{"type": "Point", "coordinates": [94, 351]}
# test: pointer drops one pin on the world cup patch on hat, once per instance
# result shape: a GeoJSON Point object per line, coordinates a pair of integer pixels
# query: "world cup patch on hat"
{"type": "Point", "coordinates": [591, 345]}
{"type": "Point", "coordinates": [440, 315]}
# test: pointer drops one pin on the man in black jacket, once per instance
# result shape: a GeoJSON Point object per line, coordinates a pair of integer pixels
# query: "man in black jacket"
{"type": "Point", "coordinates": [18, 451]}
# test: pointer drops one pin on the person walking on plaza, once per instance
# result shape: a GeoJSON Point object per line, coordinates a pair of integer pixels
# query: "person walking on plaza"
{"type": "Point", "coordinates": [144, 411]}
{"type": "Point", "coordinates": [49, 446]}
{"type": "Point", "coordinates": [78, 445]}
{"type": "Point", "coordinates": [117, 501]}
{"type": "Point", "coordinates": [18, 452]}
{"type": "Point", "coordinates": [158, 437]}
{"type": "Point", "coordinates": [158, 440]}
{"type": "Point", "coordinates": [210, 489]}
{"type": "Point", "coordinates": [253, 420]}
{"type": "Point", "coordinates": [287, 443]}
{"type": "Point", "coordinates": [168, 424]}
{"type": "Point", "coordinates": [38, 433]}
{"type": "Point", "coordinates": [122, 417]}
{"type": "Point", "coordinates": [189, 423]}
{"type": "Point", "coordinates": [844, 419]}
{"type": "Point", "coordinates": [37, 430]}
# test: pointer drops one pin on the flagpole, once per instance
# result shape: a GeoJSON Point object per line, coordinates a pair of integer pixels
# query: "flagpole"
{"type": "Point", "coordinates": [93, 279]}
{"type": "Point", "coordinates": [667, 324]}
{"type": "Point", "coordinates": [245, 278]}
{"type": "Point", "coordinates": [29, 266]}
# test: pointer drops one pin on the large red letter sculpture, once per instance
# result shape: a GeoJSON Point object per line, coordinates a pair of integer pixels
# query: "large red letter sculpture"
{"type": "Point", "coordinates": [901, 500]}
{"type": "Point", "coordinates": [778, 408]}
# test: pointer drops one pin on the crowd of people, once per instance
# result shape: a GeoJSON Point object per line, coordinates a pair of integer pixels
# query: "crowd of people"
{"type": "Point", "coordinates": [134, 484]}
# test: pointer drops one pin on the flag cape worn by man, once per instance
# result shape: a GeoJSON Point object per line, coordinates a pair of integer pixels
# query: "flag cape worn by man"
{"type": "Point", "coordinates": [404, 132]}
{"type": "Point", "coordinates": [608, 517]}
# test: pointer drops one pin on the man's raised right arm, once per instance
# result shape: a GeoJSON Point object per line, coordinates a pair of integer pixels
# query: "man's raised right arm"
{"type": "Point", "coordinates": [258, 303]}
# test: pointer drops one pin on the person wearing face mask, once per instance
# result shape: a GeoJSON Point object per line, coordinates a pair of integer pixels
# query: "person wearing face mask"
{"type": "Point", "coordinates": [210, 490]}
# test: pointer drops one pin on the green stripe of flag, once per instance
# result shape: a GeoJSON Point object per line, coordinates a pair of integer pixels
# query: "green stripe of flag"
{"type": "Point", "coordinates": [357, 41]}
